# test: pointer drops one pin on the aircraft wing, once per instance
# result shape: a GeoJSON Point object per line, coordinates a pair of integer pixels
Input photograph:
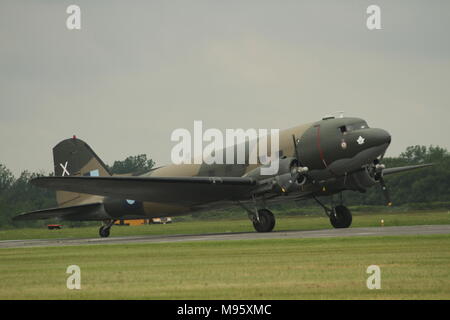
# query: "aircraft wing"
{"type": "Point", "coordinates": [179, 190]}
{"type": "Point", "coordinates": [85, 211]}
{"type": "Point", "coordinates": [389, 171]}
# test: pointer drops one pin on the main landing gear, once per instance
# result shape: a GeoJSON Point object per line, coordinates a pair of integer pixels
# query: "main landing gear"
{"type": "Point", "coordinates": [263, 219]}
{"type": "Point", "coordinates": [105, 228]}
{"type": "Point", "coordinates": [340, 216]}
{"type": "Point", "coordinates": [266, 221]}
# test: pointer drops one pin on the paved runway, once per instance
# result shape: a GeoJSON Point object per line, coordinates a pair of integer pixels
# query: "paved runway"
{"type": "Point", "coordinates": [327, 233]}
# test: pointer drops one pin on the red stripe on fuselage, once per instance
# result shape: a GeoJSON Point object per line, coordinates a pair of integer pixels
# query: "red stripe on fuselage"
{"type": "Point", "coordinates": [319, 148]}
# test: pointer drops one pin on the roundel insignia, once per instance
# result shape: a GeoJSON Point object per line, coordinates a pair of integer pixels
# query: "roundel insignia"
{"type": "Point", "coordinates": [343, 144]}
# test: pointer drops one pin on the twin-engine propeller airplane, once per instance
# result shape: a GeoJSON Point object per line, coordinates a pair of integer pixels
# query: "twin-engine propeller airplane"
{"type": "Point", "coordinates": [316, 159]}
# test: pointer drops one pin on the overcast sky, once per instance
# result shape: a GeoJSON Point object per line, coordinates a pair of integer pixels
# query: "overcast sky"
{"type": "Point", "coordinates": [137, 70]}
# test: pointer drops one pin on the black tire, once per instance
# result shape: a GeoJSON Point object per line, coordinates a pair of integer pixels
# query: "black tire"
{"type": "Point", "coordinates": [341, 217]}
{"type": "Point", "coordinates": [103, 232]}
{"type": "Point", "coordinates": [266, 221]}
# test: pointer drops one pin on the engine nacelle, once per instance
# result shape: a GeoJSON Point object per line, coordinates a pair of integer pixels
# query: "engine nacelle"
{"type": "Point", "coordinates": [360, 181]}
{"type": "Point", "coordinates": [288, 178]}
{"type": "Point", "coordinates": [285, 183]}
{"type": "Point", "coordinates": [285, 165]}
{"type": "Point", "coordinates": [118, 208]}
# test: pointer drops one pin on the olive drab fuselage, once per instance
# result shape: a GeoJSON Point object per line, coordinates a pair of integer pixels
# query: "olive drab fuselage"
{"type": "Point", "coordinates": [334, 150]}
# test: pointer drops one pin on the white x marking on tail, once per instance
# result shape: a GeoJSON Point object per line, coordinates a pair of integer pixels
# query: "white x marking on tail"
{"type": "Point", "coordinates": [64, 167]}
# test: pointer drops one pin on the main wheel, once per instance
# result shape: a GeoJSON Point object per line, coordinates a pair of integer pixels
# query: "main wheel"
{"type": "Point", "coordinates": [341, 217]}
{"type": "Point", "coordinates": [266, 221]}
{"type": "Point", "coordinates": [103, 232]}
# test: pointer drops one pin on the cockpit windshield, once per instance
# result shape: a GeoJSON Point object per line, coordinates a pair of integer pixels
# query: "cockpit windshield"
{"type": "Point", "coordinates": [354, 126]}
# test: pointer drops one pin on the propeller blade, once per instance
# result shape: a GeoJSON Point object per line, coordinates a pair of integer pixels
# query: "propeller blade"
{"type": "Point", "coordinates": [295, 147]}
{"type": "Point", "coordinates": [385, 191]}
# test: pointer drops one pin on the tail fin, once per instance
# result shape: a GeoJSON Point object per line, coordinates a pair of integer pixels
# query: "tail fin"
{"type": "Point", "coordinates": [74, 157]}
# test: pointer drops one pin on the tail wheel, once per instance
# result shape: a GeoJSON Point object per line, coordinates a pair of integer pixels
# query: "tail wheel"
{"type": "Point", "coordinates": [103, 232]}
{"type": "Point", "coordinates": [266, 221]}
{"type": "Point", "coordinates": [341, 217]}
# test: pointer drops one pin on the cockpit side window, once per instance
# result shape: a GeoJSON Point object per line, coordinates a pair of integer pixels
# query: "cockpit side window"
{"type": "Point", "coordinates": [353, 126]}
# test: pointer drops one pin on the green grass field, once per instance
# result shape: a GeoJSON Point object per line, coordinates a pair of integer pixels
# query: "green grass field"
{"type": "Point", "coordinates": [313, 222]}
{"type": "Point", "coordinates": [412, 267]}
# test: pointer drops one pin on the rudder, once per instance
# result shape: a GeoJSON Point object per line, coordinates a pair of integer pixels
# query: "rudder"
{"type": "Point", "coordinates": [74, 157]}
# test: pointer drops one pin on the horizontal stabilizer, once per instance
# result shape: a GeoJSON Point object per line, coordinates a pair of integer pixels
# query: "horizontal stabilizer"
{"type": "Point", "coordinates": [73, 212]}
{"type": "Point", "coordinates": [406, 168]}
{"type": "Point", "coordinates": [180, 190]}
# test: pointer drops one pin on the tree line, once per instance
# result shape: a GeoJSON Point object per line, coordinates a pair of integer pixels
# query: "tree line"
{"type": "Point", "coordinates": [425, 186]}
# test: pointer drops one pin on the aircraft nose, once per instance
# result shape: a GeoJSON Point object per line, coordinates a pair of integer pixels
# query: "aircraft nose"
{"type": "Point", "coordinates": [380, 137]}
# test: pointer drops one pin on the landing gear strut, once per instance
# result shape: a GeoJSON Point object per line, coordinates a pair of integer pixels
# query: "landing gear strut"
{"type": "Point", "coordinates": [105, 228]}
{"type": "Point", "coordinates": [340, 216]}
